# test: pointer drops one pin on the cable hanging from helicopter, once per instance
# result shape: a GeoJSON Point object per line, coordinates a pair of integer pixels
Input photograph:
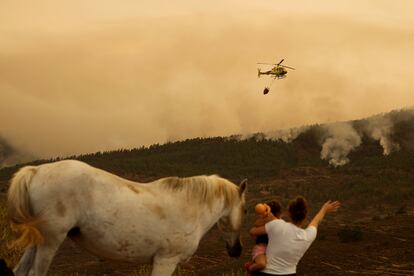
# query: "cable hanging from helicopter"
{"type": "Point", "coordinates": [278, 71]}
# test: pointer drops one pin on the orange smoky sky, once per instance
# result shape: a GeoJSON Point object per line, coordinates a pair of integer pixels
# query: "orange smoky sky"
{"type": "Point", "coordinates": [84, 76]}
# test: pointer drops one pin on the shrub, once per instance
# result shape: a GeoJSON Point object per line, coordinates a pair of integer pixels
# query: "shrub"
{"type": "Point", "coordinates": [402, 210]}
{"type": "Point", "coordinates": [350, 234]}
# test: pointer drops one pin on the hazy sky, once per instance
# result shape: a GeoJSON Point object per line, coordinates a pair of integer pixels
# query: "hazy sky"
{"type": "Point", "coordinates": [82, 76]}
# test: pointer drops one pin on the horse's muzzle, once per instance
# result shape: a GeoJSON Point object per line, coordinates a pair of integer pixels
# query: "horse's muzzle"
{"type": "Point", "coordinates": [235, 250]}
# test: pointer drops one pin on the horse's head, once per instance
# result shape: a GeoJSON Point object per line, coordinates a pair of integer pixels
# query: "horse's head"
{"type": "Point", "coordinates": [231, 222]}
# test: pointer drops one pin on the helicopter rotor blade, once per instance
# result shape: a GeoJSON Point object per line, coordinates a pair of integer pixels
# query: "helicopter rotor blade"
{"type": "Point", "coordinates": [277, 64]}
{"type": "Point", "coordinates": [287, 67]}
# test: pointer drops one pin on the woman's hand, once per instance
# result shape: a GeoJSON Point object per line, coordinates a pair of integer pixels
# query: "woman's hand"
{"type": "Point", "coordinates": [331, 207]}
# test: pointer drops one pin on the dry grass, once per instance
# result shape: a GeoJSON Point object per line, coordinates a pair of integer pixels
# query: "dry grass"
{"type": "Point", "coordinates": [146, 271]}
{"type": "Point", "coordinates": [10, 255]}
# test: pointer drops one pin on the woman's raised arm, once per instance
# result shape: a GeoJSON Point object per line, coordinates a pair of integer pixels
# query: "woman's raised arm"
{"type": "Point", "coordinates": [328, 207]}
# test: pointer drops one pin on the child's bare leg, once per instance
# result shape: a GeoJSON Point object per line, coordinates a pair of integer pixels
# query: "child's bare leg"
{"type": "Point", "coordinates": [259, 263]}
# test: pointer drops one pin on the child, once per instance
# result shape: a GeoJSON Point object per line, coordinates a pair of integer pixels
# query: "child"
{"type": "Point", "coordinates": [267, 212]}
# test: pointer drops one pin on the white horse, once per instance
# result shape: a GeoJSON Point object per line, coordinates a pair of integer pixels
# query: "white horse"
{"type": "Point", "coordinates": [114, 218]}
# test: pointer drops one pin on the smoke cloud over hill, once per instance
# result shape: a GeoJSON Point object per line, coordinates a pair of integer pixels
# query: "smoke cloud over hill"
{"type": "Point", "coordinates": [10, 156]}
{"type": "Point", "coordinates": [337, 140]}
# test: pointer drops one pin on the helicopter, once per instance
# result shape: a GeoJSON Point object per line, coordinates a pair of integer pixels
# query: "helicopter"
{"type": "Point", "coordinates": [278, 71]}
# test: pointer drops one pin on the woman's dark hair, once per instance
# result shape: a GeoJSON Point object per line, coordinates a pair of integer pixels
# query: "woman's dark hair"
{"type": "Point", "coordinates": [298, 209]}
{"type": "Point", "coordinates": [275, 207]}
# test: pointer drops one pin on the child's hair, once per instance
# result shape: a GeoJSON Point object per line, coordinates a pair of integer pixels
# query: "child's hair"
{"type": "Point", "coordinates": [275, 207]}
{"type": "Point", "coordinates": [298, 209]}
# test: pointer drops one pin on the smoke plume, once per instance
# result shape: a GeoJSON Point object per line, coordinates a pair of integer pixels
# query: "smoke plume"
{"type": "Point", "coordinates": [340, 140]}
{"type": "Point", "coordinates": [286, 135]}
{"type": "Point", "coordinates": [380, 128]}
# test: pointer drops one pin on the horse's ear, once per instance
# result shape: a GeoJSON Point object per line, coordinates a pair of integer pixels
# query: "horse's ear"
{"type": "Point", "coordinates": [243, 186]}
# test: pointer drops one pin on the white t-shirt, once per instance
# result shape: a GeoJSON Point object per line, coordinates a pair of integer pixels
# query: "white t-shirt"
{"type": "Point", "coordinates": [287, 244]}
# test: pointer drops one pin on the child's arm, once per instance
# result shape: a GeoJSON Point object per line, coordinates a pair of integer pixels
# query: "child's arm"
{"type": "Point", "coordinates": [263, 220]}
{"type": "Point", "coordinates": [256, 231]}
{"type": "Point", "coordinates": [260, 222]}
{"type": "Point", "coordinates": [259, 226]}
{"type": "Point", "coordinates": [269, 218]}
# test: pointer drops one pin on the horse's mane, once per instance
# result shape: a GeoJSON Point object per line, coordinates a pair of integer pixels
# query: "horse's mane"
{"type": "Point", "coordinates": [202, 189]}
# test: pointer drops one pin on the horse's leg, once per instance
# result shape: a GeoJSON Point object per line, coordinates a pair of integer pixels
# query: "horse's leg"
{"type": "Point", "coordinates": [45, 253]}
{"type": "Point", "coordinates": [26, 262]}
{"type": "Point", "coordinates": [163, 266]}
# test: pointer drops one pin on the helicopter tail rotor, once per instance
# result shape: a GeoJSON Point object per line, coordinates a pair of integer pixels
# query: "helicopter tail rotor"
{"type": "Point", "coordinates": [258, 72]}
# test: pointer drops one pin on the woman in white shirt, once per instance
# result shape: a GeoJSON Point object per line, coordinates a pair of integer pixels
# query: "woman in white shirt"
{"type": "Point", "coordinates": [288, 242]}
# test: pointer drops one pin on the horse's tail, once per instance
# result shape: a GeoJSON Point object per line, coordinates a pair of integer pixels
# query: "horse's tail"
{"type": "Point", "coordinates": [23, 223]}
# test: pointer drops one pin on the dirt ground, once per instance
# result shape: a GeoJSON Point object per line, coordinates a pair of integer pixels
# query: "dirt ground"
{"type": "Point", "coordinates": [387, 248]}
